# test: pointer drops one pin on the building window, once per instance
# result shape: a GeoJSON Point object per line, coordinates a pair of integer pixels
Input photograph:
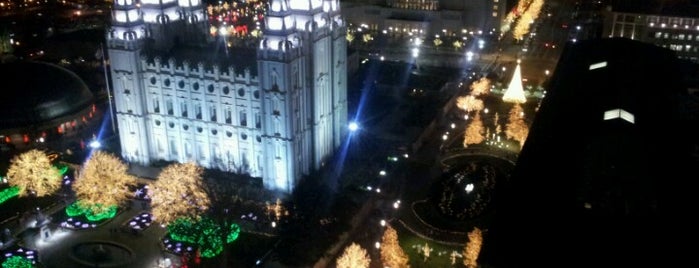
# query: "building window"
{"type": "Point", "coordinates": [243, 118]}
{"type": "Point", "coordinates": [197, 110]}
{"type": "Point", "coordinates": [156, 106]}
{"type": "Point", "coordinates": [228, 115]}
{"type": "Point", "coordinates": [275, 107]}
{"type": "Point", "coordinates": [277, 130]}
{"type": "Point", "coordinates": [258, 121]}
{"type": "Point", "coordinates": [212, 112]}
{"type": "Point", "coordinates": [168, 105]}
{"type": "Point", "coordinates": [658, 34]}
{"type": "Point", "coordinates": [183, 108]}
{"type": "Point", "coordinates": [173, 147]}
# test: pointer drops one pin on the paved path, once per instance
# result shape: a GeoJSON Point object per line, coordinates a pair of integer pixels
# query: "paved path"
{"type": "Point", "coordinates": [58, 251]}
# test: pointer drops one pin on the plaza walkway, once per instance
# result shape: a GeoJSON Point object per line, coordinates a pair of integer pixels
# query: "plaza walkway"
{"type": "Point", "coordinates": [140, 249]}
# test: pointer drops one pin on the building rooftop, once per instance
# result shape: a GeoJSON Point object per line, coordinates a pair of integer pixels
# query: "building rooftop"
{"type": "Point", "coordinates": [35, 92]}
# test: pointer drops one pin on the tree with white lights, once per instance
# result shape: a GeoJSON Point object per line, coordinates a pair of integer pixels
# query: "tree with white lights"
{"type": "Point", "coordinates": [527, 18]}
{"type": "Point", "coordinates": [457, 44]}
{"type": "Point", "coordinates": [354, 256]}
{"type": "Point", "coordinates": [349, 37]}
{"type": "Point", "coordinates": [33, 174]}
{"type": "Point", "coordinates": [496, 121]}
{"type": "Point", "coordinates": [473, 248]}
{"type": "Point", "coordinates": [469, 103]}
{"type": "Point", "coordinates": [437, 42]}
{"type": "Point", "coordinates": [480, 87]}
{"type": "Point", "coordinates": [103, 182]}
{"type": "Point", "coordinates": [474, 131]}
{"type": "Point", "coordinates": [392, 255]}
{"type": "Point", "coordinates": [516, 128]}
{"type": "Point", "coordinates": [179, 193]}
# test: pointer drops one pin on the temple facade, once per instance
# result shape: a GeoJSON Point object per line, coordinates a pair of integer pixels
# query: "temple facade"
{"type": "Point", "coordinates": [276, 112]}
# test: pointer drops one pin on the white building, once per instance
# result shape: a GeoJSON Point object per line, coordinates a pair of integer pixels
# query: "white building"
{"type": "Point", "coordinates": [278, 116]}
{"type": "Point", "coordinates": [427, 17]}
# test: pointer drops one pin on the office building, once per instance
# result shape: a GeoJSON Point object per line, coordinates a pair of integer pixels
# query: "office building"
{"type": "Point", "coordinates": [603, 177]}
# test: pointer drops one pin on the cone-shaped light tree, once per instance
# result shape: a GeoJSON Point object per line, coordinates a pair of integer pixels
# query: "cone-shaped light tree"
{"type": "Point", "coordinates": [354, 256]}
{"type": "Point", "coordinates": [473, 248]}
{"type": "Point", "coordinates": [103, 182]}
{"type": "Point", "coordinates": [392, 255]}
{"type": "Point", "coordinates": [179, 193]}
{"type": "Point", "coordinates": [33, 174]}
{"type": "Point", "coordinates": [515, 90]}
{"type": "Point", "coordinates": [474, 132]}
{"type": "Point", "coordinates": [516, 128]}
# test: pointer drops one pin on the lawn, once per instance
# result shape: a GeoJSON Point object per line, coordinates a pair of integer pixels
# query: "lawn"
{"type": "Point", "coordinates": [439, 256]}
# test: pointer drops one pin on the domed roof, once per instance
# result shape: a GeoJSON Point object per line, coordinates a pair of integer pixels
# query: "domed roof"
{"type": "Point", "coordinates": [36, 92]}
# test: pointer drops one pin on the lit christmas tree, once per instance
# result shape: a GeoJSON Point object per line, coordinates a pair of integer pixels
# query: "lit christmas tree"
{"type": "Point", "coordinates": [515, 91]}
{"type": "Point", "coordinates": [33, 173]}
{"type": "Point", "coordinates": [179, 193]}
{"type": "Point", "coordinates": [469, 103]}
{"type": "Point", "coordinates": [530, 14]}
{"type": "Point", "coordinates": [496, 121]}
{"type": "Point", "coordinates": [480, 87]}
{"type": "Point", "coordinates": [354, 256]}
{"type": "Point", "coordinates": [103, 182]}
{"type": "Point", "coordinates": [392, 254]}
{"type": "Point", "coordinates": [473, 248]}
{"type": "Point", "coordinates": [516, 128]}
{"type": "Point", "coordinates": [474, 131]}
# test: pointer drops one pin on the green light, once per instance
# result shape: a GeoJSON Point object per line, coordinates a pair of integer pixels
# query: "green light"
{"type": "Point", "coordinates": [77, 209]}
{"type": "Point", "coordinates": [8, 193]}
{"type": "Point", "coordinates": [17, 262]}
{"type": "Point", "coordinates": [63, 169]}
{"type": "Point", "coordinates": [234, 230]}
{"type": "Point", "coordinates": [206, 234]}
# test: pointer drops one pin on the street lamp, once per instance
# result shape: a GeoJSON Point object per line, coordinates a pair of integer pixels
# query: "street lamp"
{"type": "Point", "coordinates": [353, 126]}
{"type": "Point", "coordinates": [95, 144]}
{"type": "Point", "coordinates": [469, 188]}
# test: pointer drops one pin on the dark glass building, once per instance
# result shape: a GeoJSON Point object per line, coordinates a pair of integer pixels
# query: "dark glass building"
{"type": "Point", "coordinates": [603, 178]}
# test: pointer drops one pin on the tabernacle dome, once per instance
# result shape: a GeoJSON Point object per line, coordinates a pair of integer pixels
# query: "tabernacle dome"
{"type": "Point", "coordinates": [36, 92]}
{"type": "Point", "coordinates": [41, 101]}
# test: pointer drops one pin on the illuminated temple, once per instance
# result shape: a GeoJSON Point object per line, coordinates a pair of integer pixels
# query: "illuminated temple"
{"type": "Point", "coordinates": [276, 112]}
